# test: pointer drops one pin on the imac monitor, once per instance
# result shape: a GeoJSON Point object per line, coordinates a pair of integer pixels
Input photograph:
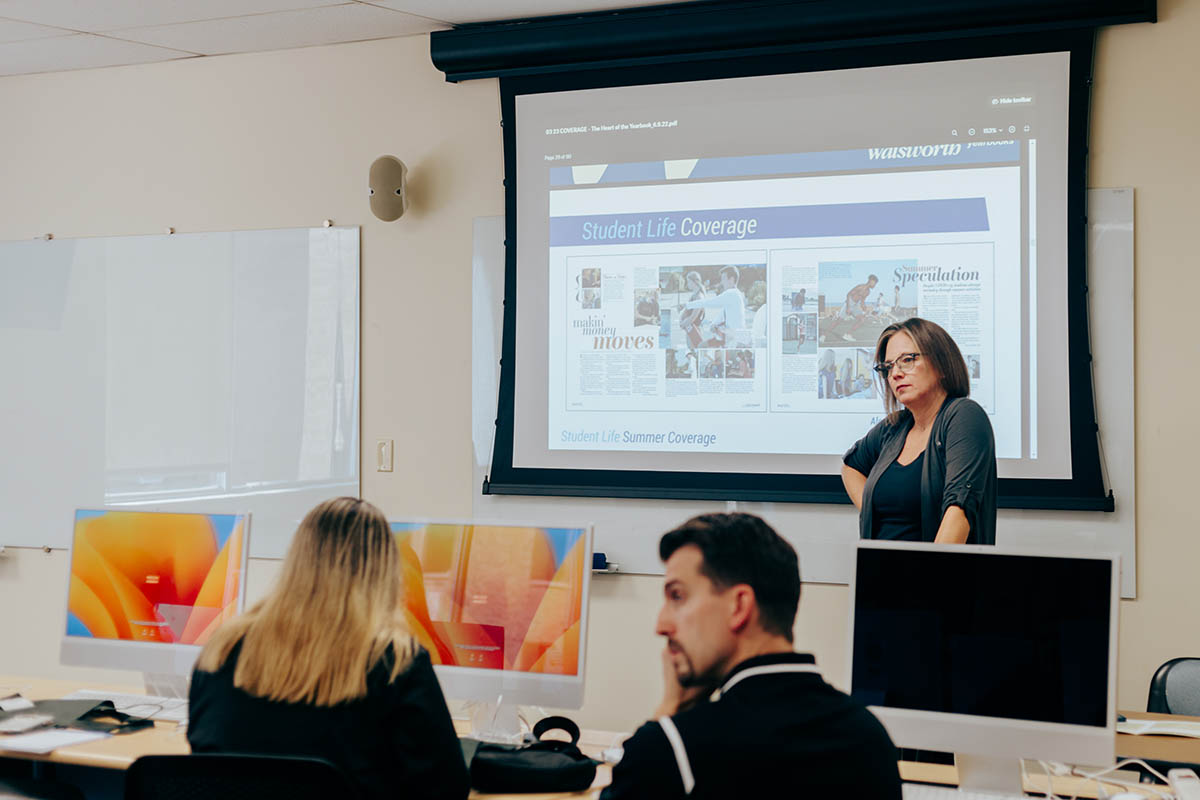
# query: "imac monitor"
{"type": "Point", "coordinates": [988, 652]}
{"type": "Point", "coordinates": [502, 609]}
{"type": "Point", "coordinates": [147, 589]}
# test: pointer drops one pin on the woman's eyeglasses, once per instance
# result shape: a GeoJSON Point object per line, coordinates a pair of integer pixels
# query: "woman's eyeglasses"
{"type": "Point", "coordinates": [906, 361]}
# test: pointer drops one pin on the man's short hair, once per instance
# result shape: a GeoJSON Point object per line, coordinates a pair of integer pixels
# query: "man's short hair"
{"type": "Point", "coordinates": [872, 278]}
{"type": "Point", "coordinates": [741, 548]}
{"type": "Point", "coordinates": [730, 269]}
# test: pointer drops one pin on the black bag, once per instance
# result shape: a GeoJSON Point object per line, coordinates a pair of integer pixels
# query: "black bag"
{"type": "Point", "coordinates": [541, 766]}
{"type": "Point", "coordinates": [88, 715]}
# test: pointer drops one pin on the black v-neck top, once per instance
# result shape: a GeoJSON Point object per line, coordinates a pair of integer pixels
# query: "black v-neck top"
{"type": "Point", "coordinates": [898, 502]}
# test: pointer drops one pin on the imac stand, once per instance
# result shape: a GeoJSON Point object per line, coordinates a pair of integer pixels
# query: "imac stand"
{"type": "Point", "coordinates": [497, 722]}
{"type": "Point", "coordinates": [165, 684]}
{"type": "Point", "coordinates": [978, 773]}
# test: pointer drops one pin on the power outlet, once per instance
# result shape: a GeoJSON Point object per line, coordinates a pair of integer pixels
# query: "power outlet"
{"type": "Point", "coordinates": [383, 455]}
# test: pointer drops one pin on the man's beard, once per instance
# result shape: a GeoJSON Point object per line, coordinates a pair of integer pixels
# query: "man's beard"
{"type": "Point", "coordinates": [688, 677]}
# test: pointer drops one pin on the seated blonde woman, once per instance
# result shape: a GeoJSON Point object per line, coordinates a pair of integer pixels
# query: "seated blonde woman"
{"type": "Point", "coordinates": [323, 667]}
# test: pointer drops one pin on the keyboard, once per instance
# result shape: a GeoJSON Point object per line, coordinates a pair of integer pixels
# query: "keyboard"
{"type": "Point", "coordinates": [147, 706]}
{"type": "Point", "coordinates": [923, 791]}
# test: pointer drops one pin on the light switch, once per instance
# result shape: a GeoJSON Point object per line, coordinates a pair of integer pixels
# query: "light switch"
{"type": "Point", "coordinates": [383, 455]}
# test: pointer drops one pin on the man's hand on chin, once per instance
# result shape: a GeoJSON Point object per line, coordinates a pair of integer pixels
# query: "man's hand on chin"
{"type": "Point", "coordinates": [676, 697]}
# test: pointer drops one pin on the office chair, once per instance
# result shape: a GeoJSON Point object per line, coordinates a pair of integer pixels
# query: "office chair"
{"type": "Point", "coordinates": [234, 777]}
{"type": "Point", "coordinates": [1175, 688]}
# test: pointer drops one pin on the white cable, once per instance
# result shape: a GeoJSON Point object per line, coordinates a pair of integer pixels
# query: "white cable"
{"type": "Point", "coordinates": [1096, 776]}
{"type": "Point", "coordinates": [1050, 795]}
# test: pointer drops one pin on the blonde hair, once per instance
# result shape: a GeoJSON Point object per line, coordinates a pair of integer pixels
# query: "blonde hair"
{"type": "Point", "coordinates": [332, 615]}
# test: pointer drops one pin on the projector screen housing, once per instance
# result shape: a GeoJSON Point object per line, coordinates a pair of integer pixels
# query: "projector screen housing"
{"type": "Point", "coordinates": [525, 461]}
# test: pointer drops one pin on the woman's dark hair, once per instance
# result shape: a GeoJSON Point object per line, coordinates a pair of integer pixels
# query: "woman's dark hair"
{"type": "Point", "coordinates": [939, 352]}
{"type": "Point", "coordinates": [742, 549]}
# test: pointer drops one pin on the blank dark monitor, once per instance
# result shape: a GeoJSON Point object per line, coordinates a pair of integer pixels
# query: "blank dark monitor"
{"type": "Point", "coordinates": [988, 652]}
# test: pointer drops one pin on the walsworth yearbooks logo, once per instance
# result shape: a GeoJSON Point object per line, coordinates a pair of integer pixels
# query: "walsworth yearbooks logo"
{"type": "Point", "coordinates": [914, 151]}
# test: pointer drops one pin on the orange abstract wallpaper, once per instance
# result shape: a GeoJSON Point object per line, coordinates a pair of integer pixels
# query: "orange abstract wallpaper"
{"type": "Point", "coordinates": [154, 577]}
{"type": "Point", "coordinates": [498, 597]}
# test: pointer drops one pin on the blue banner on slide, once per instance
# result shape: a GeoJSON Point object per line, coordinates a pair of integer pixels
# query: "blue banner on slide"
{"type": "Point", "coordinates": [777, 222]}
{"type": "Point", "coordinates": [858, 160]}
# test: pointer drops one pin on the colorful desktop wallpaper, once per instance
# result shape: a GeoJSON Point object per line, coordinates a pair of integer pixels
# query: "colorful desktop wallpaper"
{"type": "Point", "coordinates": [498, 597]}
{"type": "Point", "coordinates": [154, 577]}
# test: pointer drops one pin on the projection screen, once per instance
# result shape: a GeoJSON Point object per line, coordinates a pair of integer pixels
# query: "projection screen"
{"type": "Point", "coordinates": [703, 264]}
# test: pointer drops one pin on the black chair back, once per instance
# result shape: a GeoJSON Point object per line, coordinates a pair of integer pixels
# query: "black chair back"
{"type": "Point", "coordinates": [1175, 688]}
{"type": "Point", "coordinates": [234, 777]}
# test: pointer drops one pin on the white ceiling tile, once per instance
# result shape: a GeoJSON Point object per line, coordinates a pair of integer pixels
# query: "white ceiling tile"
{"type": "Point", "coordinates": [13, 31]}
{"type": "Point", "coordinates": [77, 51]}
{"type": "Point", "coordinates": [344, 23]}
{"type": "Point", "coordinates": [458, 12]}
{"type": "Point", "coordinates": [95, 16]}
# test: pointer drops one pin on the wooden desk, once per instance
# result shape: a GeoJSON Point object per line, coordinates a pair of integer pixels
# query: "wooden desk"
{"type": "Point", "coordinates": [169, 739]}
{"type": "Point", "coordinates": [1159, 748]}
{"type": "Point", "coordinates": [165, 738]}
{"type": "Point", "coordinates": [115, 752]}
{"type": "Point", "coordinates": [1035, 781]}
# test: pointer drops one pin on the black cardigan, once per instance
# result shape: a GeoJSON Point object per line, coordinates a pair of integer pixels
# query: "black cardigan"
{"type": "Point", "coordinates": [959, 470]}
{"type": "Point", "coordinates": [396, 742]}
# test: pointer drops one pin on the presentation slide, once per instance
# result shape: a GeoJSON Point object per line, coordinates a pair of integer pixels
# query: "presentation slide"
{"type": "Point", "coordinates": [717, 259]}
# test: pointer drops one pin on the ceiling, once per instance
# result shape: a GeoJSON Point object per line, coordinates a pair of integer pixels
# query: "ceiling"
{"type": "Point", "coordinates": [54, 35]}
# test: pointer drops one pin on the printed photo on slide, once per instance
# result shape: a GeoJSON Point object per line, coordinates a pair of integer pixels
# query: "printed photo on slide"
{"type": "Point", "coordinates": [712, 364]}
{"type": "Point", "coordinates": [861, 298]}
{"type": "Point", "coordinates": [645, 307]}
{"type": "Point", "coordinates": [679, 364]}
{"type": "Point", "coordinates": [799, 334]}
{"type": "Point", "coordinates": [739, 364]}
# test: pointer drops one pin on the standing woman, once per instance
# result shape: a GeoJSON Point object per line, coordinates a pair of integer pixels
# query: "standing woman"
{"type": "Point", "coordinates": [927, 472]}
{"type": "Point", "coordinates": [323, 667]}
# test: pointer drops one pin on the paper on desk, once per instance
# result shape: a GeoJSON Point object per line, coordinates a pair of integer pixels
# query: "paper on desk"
{"type": "Point", "coordinates": [1160, 727]}
{"type": "Point", "coordinates": [42, 742]}
{"type": "Point", "coordinates": [15, 703]}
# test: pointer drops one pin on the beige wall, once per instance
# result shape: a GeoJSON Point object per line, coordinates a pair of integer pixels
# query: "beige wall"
{"type": "Point", "coordinates": [284, 140]}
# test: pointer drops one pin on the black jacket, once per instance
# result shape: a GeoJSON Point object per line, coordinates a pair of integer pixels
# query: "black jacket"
{"type": "Point", "coordinates": [959, 469]}
{"type": "Point", "coordinates": [398, 741]}
{"type": "Point", "coordinates": [778, 730]}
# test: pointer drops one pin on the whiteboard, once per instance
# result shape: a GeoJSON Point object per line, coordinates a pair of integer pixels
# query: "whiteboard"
{"type": "Point", "coordinates": [210, 372]}
{"type": "Point", "coordinates": [627, 530]}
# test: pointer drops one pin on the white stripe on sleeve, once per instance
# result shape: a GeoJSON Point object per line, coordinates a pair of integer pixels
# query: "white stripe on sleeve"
{"type": "Point", "coordinates": [681, 757]}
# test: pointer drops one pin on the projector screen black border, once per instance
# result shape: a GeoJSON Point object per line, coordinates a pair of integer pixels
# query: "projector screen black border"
{"type": "Point", "coordinates": [724, 29]}
{"type": "Point", "coordinates": [1085, 490]}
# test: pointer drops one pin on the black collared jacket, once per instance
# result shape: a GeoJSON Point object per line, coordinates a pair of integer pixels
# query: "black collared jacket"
{"type": "Point", "coordinates": [778, 730]}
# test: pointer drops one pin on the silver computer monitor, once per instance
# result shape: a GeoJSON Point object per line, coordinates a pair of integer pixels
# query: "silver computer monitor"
{"type": "Point", "coordinates": [502, 610]}
{"type": "Point", "coordinates": [992, 653]}
{"type": "Point", "coordinates": [146, 590]}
